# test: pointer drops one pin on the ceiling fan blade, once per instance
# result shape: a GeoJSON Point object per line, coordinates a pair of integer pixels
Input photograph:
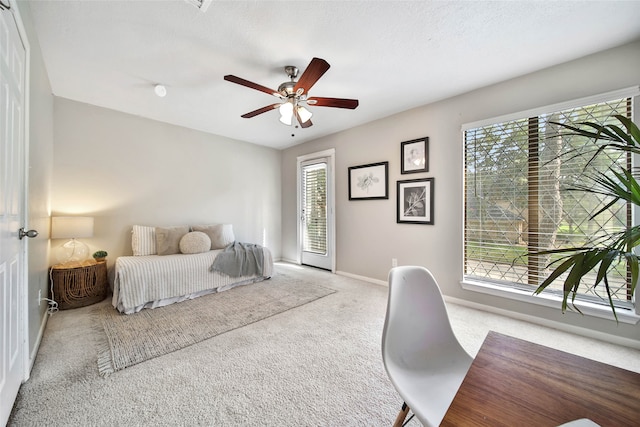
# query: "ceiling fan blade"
{"type": "Point", "coordinates": [333, 102]}
{"type": "Point", "coordinates": [260, 111]}
{"type": "Point", "coordinates": [302, 124]}
{"type": "Point", "coordinates": [252, 85]}
{"type": "Point", "coordinates": [317, 67]}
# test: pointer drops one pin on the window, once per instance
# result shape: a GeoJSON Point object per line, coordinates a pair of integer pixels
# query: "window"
{"type": "Point", "coordinates": [517, 199]}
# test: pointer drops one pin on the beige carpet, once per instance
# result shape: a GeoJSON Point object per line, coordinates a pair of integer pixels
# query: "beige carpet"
{"type": "Point", "coordinates": [316, 365]}
{"type": "Point", "coordinates": [135, 338]}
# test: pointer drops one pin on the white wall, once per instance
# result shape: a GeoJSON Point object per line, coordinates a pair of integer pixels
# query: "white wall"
{"type": "Point", "coordinates": [368, 236]}
{"type": "Point", "coordinates": [125, 170]}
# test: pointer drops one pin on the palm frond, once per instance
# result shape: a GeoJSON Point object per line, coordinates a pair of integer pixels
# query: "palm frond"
{"type": "Point", "coordinates": [606, 137]}
{"type": "Point", "coordinates": [616, 184]}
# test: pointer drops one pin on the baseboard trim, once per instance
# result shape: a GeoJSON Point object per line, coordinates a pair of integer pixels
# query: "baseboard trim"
{"type": "Point", "coordinates": [36, 346]}
{"type": "Point", "coordinates": [363, 278]}
{"type": "Point", "coordinates": [350, 275]}
{"type": "Point", "coordinates": [626, 342]}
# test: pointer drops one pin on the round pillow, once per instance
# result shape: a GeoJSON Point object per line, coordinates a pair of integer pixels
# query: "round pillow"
{"type": "Point", "coordinates": [195, 242]}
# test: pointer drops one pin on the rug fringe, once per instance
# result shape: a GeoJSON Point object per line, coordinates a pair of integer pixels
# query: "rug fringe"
{"type": "Point", "coordinates": [105, 362]}
{"type": "Point", "coordinates": [105, 358]}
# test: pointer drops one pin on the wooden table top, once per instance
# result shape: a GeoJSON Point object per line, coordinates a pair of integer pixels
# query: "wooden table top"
{"type": "Point", "coordinates": [513, 382]}
{"type": "Point", "coordinates": [75, 264]}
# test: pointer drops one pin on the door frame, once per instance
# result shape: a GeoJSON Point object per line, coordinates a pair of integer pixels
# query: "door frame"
{"type": "Point", "coordinates": [330, 154]}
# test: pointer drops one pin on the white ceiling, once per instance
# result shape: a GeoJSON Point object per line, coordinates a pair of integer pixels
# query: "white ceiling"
{"type": "Point", "coordinates": [391, 55]}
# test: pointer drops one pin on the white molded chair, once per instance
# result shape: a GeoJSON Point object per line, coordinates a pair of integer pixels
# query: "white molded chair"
{"type": "Point", "coordinates": [423, 358]}
{"type": "Point", "coordinates": [582, 422]}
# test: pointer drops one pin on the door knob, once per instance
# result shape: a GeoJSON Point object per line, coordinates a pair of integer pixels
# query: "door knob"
{"type": "Point", "coordinates": [30, 233]}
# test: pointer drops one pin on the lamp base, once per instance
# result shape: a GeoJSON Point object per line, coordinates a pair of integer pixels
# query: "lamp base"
{"type": "Point", "coordinates": [73, 250]}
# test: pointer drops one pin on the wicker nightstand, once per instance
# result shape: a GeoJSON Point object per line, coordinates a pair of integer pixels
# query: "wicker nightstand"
{"type": "Point", "coordinates": [79, 284]}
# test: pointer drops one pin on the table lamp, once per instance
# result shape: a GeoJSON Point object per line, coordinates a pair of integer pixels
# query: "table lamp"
{"type": "Point", "coordinates": [71, 227]}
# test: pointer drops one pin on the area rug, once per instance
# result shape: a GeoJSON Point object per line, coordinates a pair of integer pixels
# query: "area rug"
{"type": "Point", "coordinates": [134, 338]}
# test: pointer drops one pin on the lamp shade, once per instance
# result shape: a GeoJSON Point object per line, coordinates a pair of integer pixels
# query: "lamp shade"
{"type": "Point", "coordinates": [304, 114]}
{"type": "Point", "coordinates": [286, 113]}
{"type": "Point", "coordinates": [71, 227]}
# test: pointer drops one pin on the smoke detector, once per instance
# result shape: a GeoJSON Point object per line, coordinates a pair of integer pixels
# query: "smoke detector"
{"type": "Point", "coordinates": [200, 4]}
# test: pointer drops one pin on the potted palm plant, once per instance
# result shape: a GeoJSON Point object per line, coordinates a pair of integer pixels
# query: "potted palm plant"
{"type": "Point", "coordinates": [617, 183]}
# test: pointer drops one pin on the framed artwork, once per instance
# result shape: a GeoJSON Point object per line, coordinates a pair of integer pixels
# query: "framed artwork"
{"type": "Point", "coordinates": [367, 182]}
{"type": "Point", "coordinates": [414, 156]}
{"type": "Point", "coordinates": [415, 201]}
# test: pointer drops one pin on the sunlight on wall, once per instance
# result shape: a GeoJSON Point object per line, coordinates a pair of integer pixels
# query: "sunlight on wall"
{"type": "Point", "coordinates": [82, 201]}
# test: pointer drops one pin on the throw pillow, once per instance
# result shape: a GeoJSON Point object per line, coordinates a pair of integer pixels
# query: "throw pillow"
{"type": "Point", "coordinates": [195, 242]}
{"type": "Point", "coordinates": [221, 235]}
{"type": "Point", "coordinates": [143, 240]}
{"type": "Point", "coordinates": [168, 239]}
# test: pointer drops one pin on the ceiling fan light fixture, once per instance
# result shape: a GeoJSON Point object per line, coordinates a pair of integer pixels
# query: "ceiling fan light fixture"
{"type": "Point", "coordinates": [286, 113]}
{"type": "Point", "coordinates": [304, 114]}
{"type": "Point", "coordinates": [286, 120]}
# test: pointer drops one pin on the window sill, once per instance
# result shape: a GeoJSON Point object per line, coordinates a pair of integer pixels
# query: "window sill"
{"type": "Point", "coordinates": [553, 301]}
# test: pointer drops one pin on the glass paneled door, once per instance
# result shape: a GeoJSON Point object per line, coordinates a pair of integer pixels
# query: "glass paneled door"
{"type": "Point", "coordinates": [316, 213]}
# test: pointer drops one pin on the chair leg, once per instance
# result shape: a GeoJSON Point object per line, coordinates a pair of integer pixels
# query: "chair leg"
{"type": "Point", "coordinates": [402, 415]}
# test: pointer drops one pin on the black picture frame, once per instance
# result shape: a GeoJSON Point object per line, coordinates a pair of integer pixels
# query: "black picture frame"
{"type": "Point", "coordinates": [414, 156]}
{"type": "Point", "coordinates": [415, 201]}
{"type": "Point", "coordinates": [369, 182]}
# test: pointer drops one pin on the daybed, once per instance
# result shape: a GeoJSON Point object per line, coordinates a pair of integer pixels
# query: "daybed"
{"type": "Point", "coordinates": [168, 267]}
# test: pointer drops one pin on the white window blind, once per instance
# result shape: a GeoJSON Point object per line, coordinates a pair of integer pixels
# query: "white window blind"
{"type": "Point", "coordinates": [314, 181]}
{"type": "Point", "coordinates": [517, 202]}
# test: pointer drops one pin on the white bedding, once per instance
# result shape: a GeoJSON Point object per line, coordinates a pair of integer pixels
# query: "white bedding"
{"type": "Point", "coordinates": [153, 281]}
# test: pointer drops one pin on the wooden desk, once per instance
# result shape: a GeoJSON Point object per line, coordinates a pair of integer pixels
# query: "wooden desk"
{"type": "Point", "coordinates": [518, 383]}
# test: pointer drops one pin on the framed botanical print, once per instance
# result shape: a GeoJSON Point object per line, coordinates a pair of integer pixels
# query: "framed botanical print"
{"type": "Point", "coordinates": [415, 201]}
{"type": "Point", "coordinates": [414, 156]}
{"type": "Point", "coordinates": [367, 182]}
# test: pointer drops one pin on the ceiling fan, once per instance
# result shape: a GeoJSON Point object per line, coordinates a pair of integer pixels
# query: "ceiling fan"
{"type": "Point", "coordinates": [294, 94]}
